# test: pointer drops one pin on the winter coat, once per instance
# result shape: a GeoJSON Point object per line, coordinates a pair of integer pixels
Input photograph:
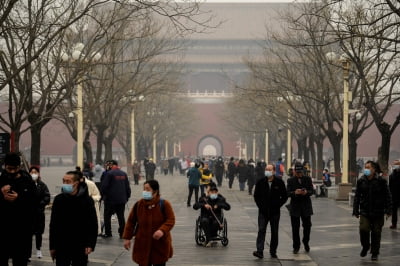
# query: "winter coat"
{"type": "Point", "coordinates": [232, 170]}
{"type": "Point", "coordinates": [150, 168]}
{"type": "Point", "coordinates": [219, 168]}
{"type": "Point", "coordinates": [115, 187]}
{"type": "Point", "coordinates": [251, 178]}
{"type": "Point", "coordinates": [194, 176]}
{"type": "Point", "coordinates": [394, 185]}
{"type": "Point", "coordinates": [243, 173]}
{"type": "Point", "coordinates": [220, 202]}
{"type": "Point", "coordinates": [300, 205]}
{"type": "Point", "coordinates": [43, 199]}
{"type": "Point", "coordinates": [150, 218]}
{"type": "Point", "coordinates": [206, 176]}
{"type": "Point", "coordinates": [259, 172]}
{"type": "Point", "coordinates": [17, 216]}
{"type": "Point", "coordinates": [73, 222]}
{"type": "Point", "coordinates": [372, 197]}
{"type": "Point", "coordinates": [136, 168]}
{"type": "Point", "coordinates": [270, 200]}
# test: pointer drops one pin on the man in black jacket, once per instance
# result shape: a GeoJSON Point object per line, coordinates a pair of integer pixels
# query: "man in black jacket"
{"type": "Point", "coordinates": [269, 195]}
{"type": "Point", "coordinates": [300, 189]}
{"type": "Point", "coordinates": [372, 201]}
{"type": "Point", "coordinates": [73, 223]}
{"type": "Point", "coordinates": [232, 170]}
{"type": "Point", "coordinates": [116, 191]}
{"type": "Point", "coordinates": [394, 185]}
{"type": "Point", "coordinates": [17, 202]}
{"type": "Point", "coordinates": [219, 169]}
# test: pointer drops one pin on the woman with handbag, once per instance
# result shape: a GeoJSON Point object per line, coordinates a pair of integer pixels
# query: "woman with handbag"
{"type": "Point", "coordinates": [150, 222]}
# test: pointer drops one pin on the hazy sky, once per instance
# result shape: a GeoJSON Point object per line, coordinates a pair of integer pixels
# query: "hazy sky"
{"type": "Point", "coordinates": [249, 1]}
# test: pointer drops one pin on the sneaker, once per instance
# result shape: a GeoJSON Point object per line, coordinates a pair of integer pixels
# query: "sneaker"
{"type": "Point", "coordinates": [374, 257]}
{"type": "Point", "coordinates": [393, 226]}
{"type": "Point", "coordinates": [39, 254]}
{"type": "Point", "coordinates": [364, 252]}
{"type": "Point", "coordinates": [258, 254]}
{"type": "Point", "coordinates": [296, 250]}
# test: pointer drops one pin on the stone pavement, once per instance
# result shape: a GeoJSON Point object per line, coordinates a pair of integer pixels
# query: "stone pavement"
{"type": "Point", "coordinates": [334, 234]}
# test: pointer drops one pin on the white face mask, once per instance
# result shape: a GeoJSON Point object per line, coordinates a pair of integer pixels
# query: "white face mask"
{"type": "Point", "coordinates": [34, 176]}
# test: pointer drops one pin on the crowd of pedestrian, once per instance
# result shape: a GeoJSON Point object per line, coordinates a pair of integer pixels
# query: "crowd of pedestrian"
{"type": "Point", "coordinates": [75, 221]}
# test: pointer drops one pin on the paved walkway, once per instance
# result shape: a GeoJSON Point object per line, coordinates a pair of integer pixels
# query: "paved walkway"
{"type": "Point", "coordinates": [334, 234]}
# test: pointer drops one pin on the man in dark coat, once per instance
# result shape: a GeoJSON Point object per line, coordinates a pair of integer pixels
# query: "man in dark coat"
{"type": "Point", "coordinates": [150, 169]}
{"type": "Point", "coordinates": [372, 201]}
{"type": "Point", "coordinates": [115, 190]}
{"type": "Point", "coordinates": [269, 195]}
{"type": "Point", "coordinates": [219, 169]}
{"type": "Point", "coordinates": [232, 170]}
{"type": "Point", "coordinates": [394, 185]}
{"type": "Point", "coordinates": [17, 203]}
{"type": "Point", "coordinates": [73, 223]}
{"type": "Point", "coordinates": [300, 189]}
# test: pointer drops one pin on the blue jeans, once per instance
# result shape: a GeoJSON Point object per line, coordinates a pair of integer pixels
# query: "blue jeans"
{"type": "Point", "coordinates": [242, 185]}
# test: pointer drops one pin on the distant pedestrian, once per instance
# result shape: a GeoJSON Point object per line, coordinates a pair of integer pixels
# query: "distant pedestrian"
{"type": "Point", "coordinates": [87, 171]}
{"type": "Point", "coordinates": [165, 166]}
{"type": "Point", "coordinates": [43, 199]}
{"type": "Point", "coordinates": [194, 176]}
{"type": "Point", "coordinates": [206, 177]}
{"type": "Point", "coordinates": [116, 191]}
{"type": "Point", "coordinates": [232, 171]}
{"type": "Point", "coordinates": [219, 169]}
{"type": "Point", "coordinates": [280, 168]}
{"type": "Point", "coordinates": [243, 174]}
{"type": "Point", "coordinates": [171, 165]}
{"type": "Point", "coordinates": [394, 185]}
{"type": "Point", "coordinates": [98, 171]}
{"type": "Point", "coordinates": [372, 201]}
{"type": "Point", "coordinates": [136, 171]}
{"type": "Point", "coordinates": [17, 204]}
{"type": "Point", "coordinates": [270, 194]}
{"type": "Point", "coordinates": [300, 189]}
{"type": "Point", "coordinates": [150, 169]}
{"type": "Point", "coordinates": [251, 177]}
{"type": "Point", "coordinates": [259, 171]}
{"type": "Point", "coordinates": [73, 223]}
{"type": "Point", "coordinates": [150, 222]}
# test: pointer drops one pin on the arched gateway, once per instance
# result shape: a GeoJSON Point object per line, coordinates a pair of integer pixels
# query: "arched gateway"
{"type": "Point", "coordinates": [210, 146]}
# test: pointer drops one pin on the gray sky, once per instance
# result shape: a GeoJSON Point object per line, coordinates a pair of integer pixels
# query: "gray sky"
{"type": "Point", "coordinates": [248, 1]}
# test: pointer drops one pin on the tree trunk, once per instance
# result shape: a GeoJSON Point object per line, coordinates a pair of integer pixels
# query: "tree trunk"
{"type": "Point", "coordinates": [36, 130]}
{"type": "Point", "coordinates": [353, 174]}
{"type": "Point", "coordinates": [301, 144]}
{"type": "Point", "coordinates": [108, 155]}
{"type": "Point", "coordinates": [313, 157]}
{"type": "Point", "coordinates": [320, 151]}
{"type": "Point", "coordinates": [383, 151]}
{"type": "Point", "coordinates": [99, 143]}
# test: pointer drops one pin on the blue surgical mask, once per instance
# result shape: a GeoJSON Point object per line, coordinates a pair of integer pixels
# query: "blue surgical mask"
{"type": "Point", "coordinates": [396, 166]}
{"type": "Point", "coordinates": [147, 195]}
{"type": "Point", "coordinates": [213, 196]}
{"type": "Point", "coordinates": [67, 188]}
{"type": "Point", "coordinates": [268, 173]}
{"type": "Point", "coordinates": [367, 172]}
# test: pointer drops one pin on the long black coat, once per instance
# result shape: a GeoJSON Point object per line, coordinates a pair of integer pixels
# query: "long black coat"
{"type": "Point", "coordinates": [43, 198]}
{"type": "Point", "coordinates": [73, 222]}
{"type": "Point", "coordinates": [17, 217]}
{"type": "Point", "coordinates": [243, 173]}
{"type": "Point", "coordinates": [300, 205]}
{"type": "Point", "coordinates": [270, 200]}
{"type": "Point", "coordinates": [394, 185]}
{"type": "Point", "coordinates": [372, 197]}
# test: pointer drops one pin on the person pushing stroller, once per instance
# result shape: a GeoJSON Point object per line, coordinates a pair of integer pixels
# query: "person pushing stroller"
{"type": "Point", "coordinates": [211, 204]}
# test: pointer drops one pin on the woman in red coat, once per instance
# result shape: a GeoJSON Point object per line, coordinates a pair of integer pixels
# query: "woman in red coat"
{"type": "Point", "coordinates": [150, 221]}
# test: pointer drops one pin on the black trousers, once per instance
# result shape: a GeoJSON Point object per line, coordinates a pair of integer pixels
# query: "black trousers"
{"type": "Point", "coordinates": [210, 227]}
{"type": "Point", "coordinates": [262, 230]}
{"type": "Point", "coordinates": [109, 210]}
{"type": "Point", "coordinates": [136, 178]}
{"type": "Point", "coordinates": [395, 207]}
{"type": "Point", "coordinates": [306, 222]}
{"type": "Point", "coordinates": [219, 179]}
{"type": "Point", "coordinates": [196, 194]}
{"type": "Point", "coordinates": [71, 257]}
{"type": "Point", "coordinates": [231, 178]}
{"type": "Point", "coordinates": [371, 226]}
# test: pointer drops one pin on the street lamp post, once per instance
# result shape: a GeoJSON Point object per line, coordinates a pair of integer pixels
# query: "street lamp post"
{"type": "Point", "coordinates": [344, 186]}
{"type": "Point", "coordinates": [289, 143]}
{"type": "Point", "coordinates": [154, 145]}
{"type": "Point", "coordinates": [133, 141]}
{"type": "Point", "coordinates": [77, 56]}
{"type": "Point", "coordinates": [254, 146]}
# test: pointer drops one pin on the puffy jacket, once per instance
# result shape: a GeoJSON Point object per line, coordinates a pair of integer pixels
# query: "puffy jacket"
{"type": "Point", "coordinates": [372, 197]}
{"type": "Point", "coordinates": [115, 187]}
